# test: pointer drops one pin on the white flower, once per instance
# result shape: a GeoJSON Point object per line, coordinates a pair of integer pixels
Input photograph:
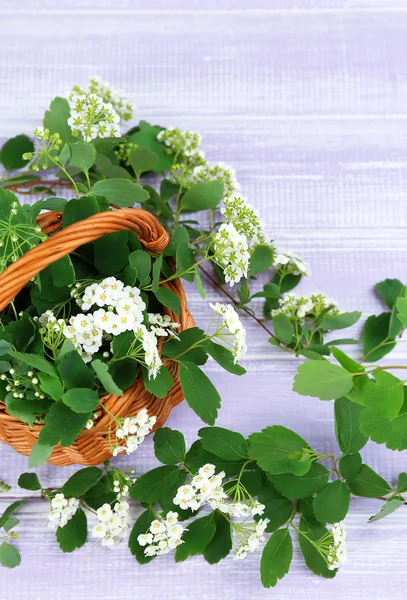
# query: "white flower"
{"type": "Point", "coordinates": [133, 431]}
{"type": "Point", "coordinates": [290, 264]}
{"type": "Point", "coordinates": [231, 253]}
{"type": "Point", "coordinates": [99, 531]}
{"type": "Point", "coordinates": [245, 218]}
{"type": "Point", "coordinates": [337, 552]}
{"type": "Point", "coordinates": [234, 327]}
{"type": "Point", "coordinates": [217, 172]}
{"type": "Point", "coordinates": [180, 142]}
{"type": "Point", "coordinates": [62, 510]}
{"type": "Point", "coordinates": [104, 513]}
{"type": "Point", "coordinates": [297, 307]}
{"type": "Point", "coordinates": [91, 116]}
{"type": "Point", "coordinates": [145, 538]}
{"type": "Point", "coordinates": [113, 524]}
{"type": "Point", "coordinates": [162, 536]}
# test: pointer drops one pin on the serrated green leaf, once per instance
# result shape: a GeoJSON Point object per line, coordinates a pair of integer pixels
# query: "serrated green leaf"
{"type": "Point", "coordinates": [10, 510]}
{"type": "Point", "coordinates": [375, 332]}
{"type": "Point", "coordinates": [169, 446]}
{"type": "Point", "coordinates": [29, 481]}
{"type": "Point", "coordinates": [200, 532]}
{"type": "Point", "coordinates": [331, 504]}
{"type": "Point", "coordinates": [102, 371]}
{"type": "Point", "coordinates": [56, 119]}
{"type": "Point", "coordinates": [9, 556]}
{"type": "Point", "coordinates": [73, 535]}
{"type": "Point", "coordinates": [142, 160]}
{"type": "Point", "coordinates": [141, 526]}
{"type": "Point", "coordinates": [295, 487]}
{"type": "Point", "coordinates": [402, 483]}
{"type": "Point", "coordinates": [390, 290]}
{"type": "Point", "coordinates": [322, 379]}
{"type": "Point", "coordinates": [81, 400]}
{"type": "Point", "coordinates": [283, 328]}
{"type": "Point", "coordinates": [169, 299]}
{"type": "Point", "coordinates": [274, 448]}
{"type": "Point", "coordinates": [161, 385]}
{"type": "Point", "coordinates": [81, 482]}
{"type": "Point", "coordinates": [11, 153]}
{"type": "Point", "coordinates": [122, 192]}
{"type": "Point", "coordinates": [63, 425]}
{"type": "Point", "coordinates": [202, 196]}
{"type": "Point", "coordinates": [221, 543]}
{"type": "Point", "coordinates": [39, 455]}
{"type": "Point", "coordinates": [347, 430]}
{"type": "Point", "coordinates": [200, 393]}
{"type": "Point", "coordinates": [261, 258]}
{"type": "Point", "coordinates": [226, 444]}
{"type": "Point", "coordinates": [278, 511]}
{"type": "Point", "coordinates": [83, 156]}
{"type": "Point", "coordinates": [224, 357]}
{"type": "Point", "coordinates": [155, 484]}
{"type": "Point", "coordinates": [388, 507]}
{"type": "Point", "coordinates": [368, 484]}
{"type": "Point", "coordinates": [276, 558]}
{"type": "Point", "coordinates": [313, 531]}
{"type": "Point", "coordinates": [332, 322]}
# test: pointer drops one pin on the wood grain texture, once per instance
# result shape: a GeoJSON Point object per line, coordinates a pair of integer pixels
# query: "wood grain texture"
{"type": "Point", "coordinates": [307, 99]}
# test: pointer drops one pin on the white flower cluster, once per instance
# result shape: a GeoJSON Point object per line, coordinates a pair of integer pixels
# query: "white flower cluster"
{"type": "Point", "coordinates": [299, 308]}
{"type": "Point", "coordinates": [163, 535]}
{"type": "Point", "coordinates": [91, 117]}
{"type": "Point", "coordinates": [246, 219]}
{"type": "Point", "coordinates": [231, 253]}
{"type": "Point", "coordinates": [133, 431]}
{"type": "Point", "coordinates": [217, 172]}
{"type": "Point", "coordinates": [250, 537]}
{"type": "Point", "coordinates": [231, 322]}
{"type": "Point", "coordinates": [206, 488]}
{"type": "Point", "coordinates": [113, 524]}
{"type": "Point", "coordinates": [161, 325]}
{"type": "Point", "coordinates": [180, 141]}
{"type": "Point", "coordinates": [290, 264]}
{"type": "Point", "coordinates": [337, 552]}
{"type": "Point", "coordinates": [61, 510]}
{"type": "Point", "coordinates": [150, 347]}
{"type": "Point", "coordinates": [114, 96]}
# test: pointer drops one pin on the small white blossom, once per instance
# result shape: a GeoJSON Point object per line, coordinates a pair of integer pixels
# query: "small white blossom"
{"type": "Point", "coordinates": [245, 218]}
{"type": "Point", "coordinates": [113, 524]}
{"type": "Point", "coordinates": [337, 552]}
{"type": "Point", "coordinates": [133, 431]}
{"type": "Point", "coordinates": [234, 327]}
{"type": "Point", "coordinates": [217, 172]}
{"type": "Point", "coordinates": [299, 308]}
{"type": "Point", "coordinates": [178, 141]}
{"type": "Point", "coordinates": [91, 117]}
{"type": "Point", "coordinates": [290, 264]}
{"type": "Point", "coordinates": [163, 535]}
{"type": "Point", "coordinates": [62, 510]}
{"type": "Point", "coordinates": [231, 253]}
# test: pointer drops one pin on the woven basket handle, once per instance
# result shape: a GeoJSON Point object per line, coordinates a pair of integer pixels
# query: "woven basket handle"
{"type": "Point", "coordinates": [150, 233]}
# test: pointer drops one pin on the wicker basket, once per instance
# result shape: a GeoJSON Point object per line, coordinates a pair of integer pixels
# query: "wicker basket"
{"type": "Point", "coordinates": [92, 446]}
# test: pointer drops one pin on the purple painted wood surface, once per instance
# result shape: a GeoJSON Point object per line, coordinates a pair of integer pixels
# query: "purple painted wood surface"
{"type": "Point", "coordinates": [308, 100]}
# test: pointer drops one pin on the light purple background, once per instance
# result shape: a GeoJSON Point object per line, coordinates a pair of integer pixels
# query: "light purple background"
{"type": "Point", "coordinates": [308, 100]}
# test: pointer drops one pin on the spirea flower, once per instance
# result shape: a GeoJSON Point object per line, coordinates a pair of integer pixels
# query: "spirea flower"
{"type": "Point", "coordinates": [61, 511]}
{"type": "Point", "coordinates": [337, 552]}
{"type": "Point", "coordinates": [231, 322]}
{"type": "Point", "coordinates": [163, 535]}
{"type": "Point", "coordinates": [113, 524]}
{"type": "Point", "coordinates": [91, 117]}
{"type": "Point", "coordinates": [178, 141]}
{"type": "Point", "coordinates": [290, 264]}
{"type": "Point", "coordinates": [249, 536]}
{"type": "Point", "coordinates": [245, 218]}
{"type": "Point", "coordinates": [161, 325]}
{"type": "Point", "coordinates": [133, 431]}
{"type": "Point", "coordinates": [299, 308]}
{"type": "Point", "coordinates": [217, 172]}
{"type": "Point", "coordinates": [231, 253]}
{"type": "Point", "coordinates": [150, 346]}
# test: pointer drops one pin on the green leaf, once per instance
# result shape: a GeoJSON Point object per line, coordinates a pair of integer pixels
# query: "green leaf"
{"type": "Point", "coordinates": [169, 446]}
{"type": "Point", "coordinates": [226, 444]}
{"type": "Point", "coordinates": [402, 483]}
{"type": "Point", "coordinates": [29, 481]}
{"type": "Point", "coordinates": [83, 156]}
{"type": "Point", "coordinates": [322, 379]}
{"type": "Point", "coordinates": [385, 396]}
{"type": "Point", "coordinates": [37, 362]}
{"type": "Point", "coordinates": [275, 447]}
{"type": "Point", "coordinates": [196, 538]}
{"type": "Point", "coordinates": [155, 484]}
{"type": "Point", "coordinates": [9, 556]}
{"type": "Point", "coordinates": [10, 524]}
{"type": "Point", "coordinates": [74, 372]}
{"type": "Point", "coordinates": [197, 457]}
{"type": "Point", "coordinates": [401, 306]}
{"type": "Point", "coordinates": [347, 430]}
{"type": "Point", "coordinates": [375, 332]}
{"type": "Point", "coordinates": [81, 482]}
{"type": "Point", "coordinates": [283, 328]}
{"type": "Point", "coordinates": [202, 196]}
{"type": "Point", "coordinates": [346, 362]}
{"type": "Point", "coordinates": [79, 209]}
{"type": "Point", "coordinates": [5, 347]}
{"type": "Point", "coordinates": [179, 236]}
{"type": "Point", "coordinates": [388, 507]}
{"type": "Point", "coordinates": [121, 192]}
{"type": "Point", "coordinates": [169, 299]}
{"type": "Point", "coordinates": [221, 543]}
{"type": "Point", "coordinates": [111, 253]}
{"type": "Point", "coordinates": [62, 272]}
{"type": "Point", "coordinates": [185, 262]}
{"type": "Point", "coordinates": [350, 465]}
{"type": "Point", "coordinates": [62, 425]}
{"type": "Point", "coordinates": [276, 558]}
{"type": "Point", "coordinates": [81, 400]}
{"type": "Point", "coordinates": [341, 321]}
{"type": "Point", "coordinates": [224, 357]}
{"type": "Point", "coordinates": [187, 338]}
{"type": "Point", "coordinates": [142, 160]}
{"type": "Point", "coordinates": [161, 385]}
{"type": "Point", "coordinates": [11, 154]}
{"type": "Point", "coordinates": [141, 526]}
{"type": "Point", "coordinates": [390, 290]}
{"type": "Point", "coordinates": [146, 137]}
{"type": "Point", "coordinates": [199, 285]}
{"type": "Point", "coordinates": [141, 261]}
{"type": "Point", "coordinates": [102, 371]}
{"type": "Point", "coordinates": [331, 504]}
{"type": "Point", "coordinates": [261, 259]}
{"type": "Point", "coordinates": [39, 455]}
{"type": "Point", "coordinates": [65, 154]}
{"type": "Point", "coordinates": [295, 487]}
{"type": "Point", "coordinates": [10, 510]}
{"type": "Point", "coordinates": [157, 266]}
{"type": "Point", "coordinates": [278, 511]}
{"type": "Point", "coordinates": [56, 119]}
{"type": "Point", "coordinates": [313, 559]}
{"type": "Point", "coordinates": [73, 535]}
{"type": "Point", "coordinates": [200, 393]}
{"type": "Point", "coordinates": [368, 484]}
